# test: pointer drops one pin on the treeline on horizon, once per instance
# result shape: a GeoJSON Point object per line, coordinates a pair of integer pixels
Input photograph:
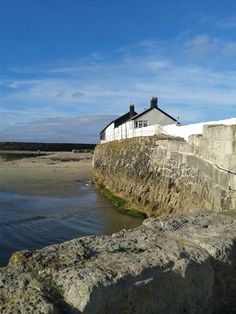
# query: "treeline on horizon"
{"type": "Point", "coordinates": [47, 147]}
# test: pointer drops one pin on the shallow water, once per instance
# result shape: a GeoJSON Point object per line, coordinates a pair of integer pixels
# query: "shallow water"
{"type": "Point", "coordinates": [32, 222]}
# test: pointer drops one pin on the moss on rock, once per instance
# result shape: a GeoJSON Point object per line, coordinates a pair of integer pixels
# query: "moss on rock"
{"type": "Point", "coordinates": [121, 204]}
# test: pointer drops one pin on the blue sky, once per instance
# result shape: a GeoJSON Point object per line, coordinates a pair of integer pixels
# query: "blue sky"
{"type": "Point", "coordinates": [68, 67]}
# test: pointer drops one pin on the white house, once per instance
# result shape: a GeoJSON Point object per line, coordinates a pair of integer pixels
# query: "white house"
{"type": "Point", "coordinates": [131, 124]}
{"type": "Point", "coordinates": [111, 130]}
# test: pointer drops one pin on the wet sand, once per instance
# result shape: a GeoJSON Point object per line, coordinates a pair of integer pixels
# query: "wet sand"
{"type": "Point", "coordinates": [56, 174]}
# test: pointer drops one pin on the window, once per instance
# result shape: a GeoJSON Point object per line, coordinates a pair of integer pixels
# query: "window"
{"type": "Point", "coordinates": [140, 123]}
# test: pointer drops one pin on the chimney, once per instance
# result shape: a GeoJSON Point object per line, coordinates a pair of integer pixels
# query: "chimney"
{"type": "Point", "coordinates": [153, 102]}
{"type": "Point", "coordinates": [131, 110]}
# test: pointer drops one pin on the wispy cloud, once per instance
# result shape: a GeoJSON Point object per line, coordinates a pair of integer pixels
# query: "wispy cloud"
{"type": "Point", "coordinates": [84, 129]}
{"type": "Point", "coordinates": [229, 49]}
{"type": "Point", "coordinates": [229, 22]}
{"type": "Point", "coordinates": [210, 48]}
{"type": "Point", "coordinates": [226, 22]}
{"type": "Point", "coordinates": [200, 45]}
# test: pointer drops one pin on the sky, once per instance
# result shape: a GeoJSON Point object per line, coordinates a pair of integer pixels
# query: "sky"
{"type": "Point", "coordinates": [67, 68]}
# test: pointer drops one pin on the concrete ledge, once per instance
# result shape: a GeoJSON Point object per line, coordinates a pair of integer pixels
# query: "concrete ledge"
{"type": "Point", "coordinates": [177, 264]}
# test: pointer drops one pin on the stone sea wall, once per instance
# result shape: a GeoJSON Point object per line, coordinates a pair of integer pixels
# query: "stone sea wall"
{"type": "Point", "coordinates": [174, 264]}
{"type": "Point", "coordinates": [163, 174]}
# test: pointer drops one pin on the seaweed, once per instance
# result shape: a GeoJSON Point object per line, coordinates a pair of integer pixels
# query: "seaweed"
{"type": "Point", "coordinates": [119, 202]}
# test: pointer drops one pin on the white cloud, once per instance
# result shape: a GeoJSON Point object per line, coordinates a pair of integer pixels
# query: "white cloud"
{"type": "Point", "coordinates": [84, 129]}
{"type": "Point", "coordinates": [200, 45]}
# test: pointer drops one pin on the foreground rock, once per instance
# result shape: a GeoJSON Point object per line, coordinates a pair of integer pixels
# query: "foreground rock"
{"type": "Point", "coordinates": [177, 264]}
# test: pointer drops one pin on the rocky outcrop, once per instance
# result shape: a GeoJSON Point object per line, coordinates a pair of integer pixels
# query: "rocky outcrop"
{"type": "Point", "coordinates": [163, 174]}
{"type": "Point", "coordinates": [177, 264]}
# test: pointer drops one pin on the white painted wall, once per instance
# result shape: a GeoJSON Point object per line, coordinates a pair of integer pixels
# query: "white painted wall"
{"type": "Point", "coordinates": [109, 133]}
{"type": "Point", "coordinates": [145, 131]}
{"type": "Point", "coordinates": [127, 130]}
{"type": "Point", "coordinates": [197, 128]}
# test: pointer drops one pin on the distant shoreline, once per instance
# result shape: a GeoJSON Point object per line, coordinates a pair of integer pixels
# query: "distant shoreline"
{"type": "Point", "coordinates": [47, 147]}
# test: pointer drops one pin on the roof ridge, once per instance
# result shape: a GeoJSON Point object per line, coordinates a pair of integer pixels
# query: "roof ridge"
{"type": "Point", "coordinates": [149, 109]}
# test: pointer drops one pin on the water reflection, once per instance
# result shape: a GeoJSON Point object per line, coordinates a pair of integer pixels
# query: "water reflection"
{"type": "Point", "coordinates": [31, 222]}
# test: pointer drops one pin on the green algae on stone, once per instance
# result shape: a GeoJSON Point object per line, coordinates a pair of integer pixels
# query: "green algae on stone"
{"type": "Point", "coordinates": [119, 202]}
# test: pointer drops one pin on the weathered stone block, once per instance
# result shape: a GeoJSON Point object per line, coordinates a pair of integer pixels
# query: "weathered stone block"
{"type": "Point", "coordinates": [173, 264]}
{"type": "Point", "coordinates": [218, 131]}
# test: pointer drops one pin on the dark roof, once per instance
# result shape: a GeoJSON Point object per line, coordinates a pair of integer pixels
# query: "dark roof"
{"type": "Point", "coordinates": [149, 109]}
{"type": "Point", "coordinates": [127, 116]}
{"type": "Point", "coordinates": [123, 119]}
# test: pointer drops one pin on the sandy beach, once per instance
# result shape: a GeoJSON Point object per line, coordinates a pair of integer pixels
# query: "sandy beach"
{"type": "Point", "coordinates": [56, 174]}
